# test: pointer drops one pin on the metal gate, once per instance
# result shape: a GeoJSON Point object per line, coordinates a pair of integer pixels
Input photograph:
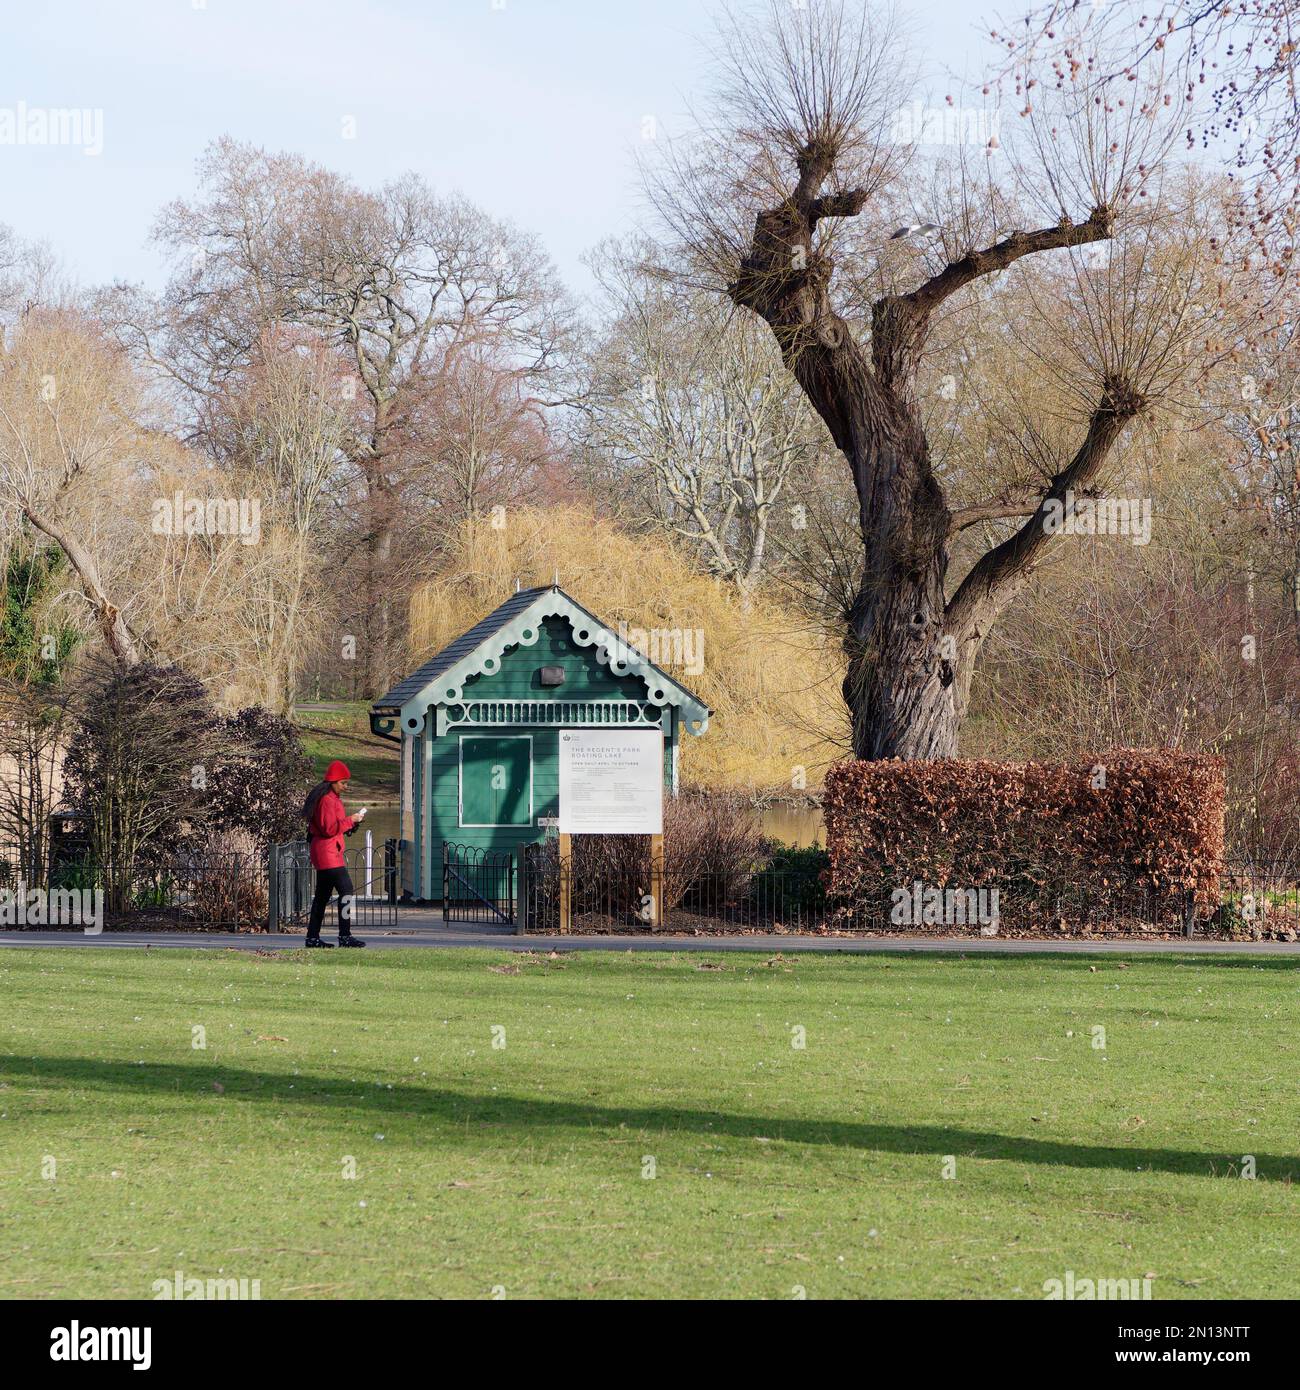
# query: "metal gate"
{"type": "Point", "coordinates": [477, 884]}
{"type": "Point", "coordinates": [375, 884]}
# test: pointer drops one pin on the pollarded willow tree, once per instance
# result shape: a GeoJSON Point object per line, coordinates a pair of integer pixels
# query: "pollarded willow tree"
{"type": "Point", "coordinates": [786, 201]}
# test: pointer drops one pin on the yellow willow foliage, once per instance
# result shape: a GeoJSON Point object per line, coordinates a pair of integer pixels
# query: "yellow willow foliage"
{"type": "Point", "coordinates": [771, 680]}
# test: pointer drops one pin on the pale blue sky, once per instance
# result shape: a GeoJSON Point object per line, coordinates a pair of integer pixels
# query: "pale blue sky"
{"type": "Point", "coordinates": [533, 109]}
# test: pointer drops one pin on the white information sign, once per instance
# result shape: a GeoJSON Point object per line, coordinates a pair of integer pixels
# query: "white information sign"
{"type": "Point", "coordinates": [611, 782]}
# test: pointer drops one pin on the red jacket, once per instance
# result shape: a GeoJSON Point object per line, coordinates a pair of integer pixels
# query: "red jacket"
{"type": "Point", "coordinates": [329, 823]}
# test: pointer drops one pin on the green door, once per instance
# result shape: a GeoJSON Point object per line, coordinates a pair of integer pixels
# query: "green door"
{"type": "Point", "coordinates": [496, 780]}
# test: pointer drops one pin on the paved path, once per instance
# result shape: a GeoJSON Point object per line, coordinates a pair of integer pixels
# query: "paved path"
{"type": "Point", "coordinates": [485, 935]}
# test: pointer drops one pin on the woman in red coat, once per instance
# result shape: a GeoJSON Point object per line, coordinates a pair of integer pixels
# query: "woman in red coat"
{"type": "Point", "coordinates": [327, 824]}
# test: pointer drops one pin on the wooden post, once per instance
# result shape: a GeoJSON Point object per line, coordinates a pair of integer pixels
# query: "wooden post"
{"type": "Point", "coordinates": [657, 881]}
{"type": "Point", "coordinates": [566, 881]}
{"type": "Point", "coordinates": [273, 889]}
{"type": "Point", "coordinates": [521, 891]}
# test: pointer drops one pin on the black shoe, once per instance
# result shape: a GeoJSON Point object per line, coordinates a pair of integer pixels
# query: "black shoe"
{"type": "Point", "coordinates": [351, 941]}
{"type": "Point", "coordinates": [316, 941]}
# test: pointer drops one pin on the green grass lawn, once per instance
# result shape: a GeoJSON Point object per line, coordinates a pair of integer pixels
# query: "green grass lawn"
{"type": "Point", "coordinates": [522, 1169]}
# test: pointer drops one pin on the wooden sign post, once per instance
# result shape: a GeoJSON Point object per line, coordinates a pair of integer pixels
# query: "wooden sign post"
{"type": "Point", "coordinates": [657, 882]}
{"type": "Point", "coordinates": [566, 882]}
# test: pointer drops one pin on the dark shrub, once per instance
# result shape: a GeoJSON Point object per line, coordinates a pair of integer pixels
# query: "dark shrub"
{"type": "Point", "coordinates": [794, 879]}
{"type": "Point", "coordinates": [261, 778]}
{"type": "Point", "coordinates": [164, 779]}
{"type": "Point", "coordinates": [146, 743]}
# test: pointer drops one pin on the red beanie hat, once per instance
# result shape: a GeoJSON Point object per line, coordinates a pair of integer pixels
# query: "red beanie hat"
{"type": "Point", "coordinates": [337, 772]}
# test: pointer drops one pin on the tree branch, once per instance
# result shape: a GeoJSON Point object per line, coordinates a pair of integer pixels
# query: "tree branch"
{"type": "Point", "coordinates": [111, 622]}
{"type": "Point", "coordinates": [962, 517]}
{"type": "Point", "coordinates": [899, 321]}
{"type": "Point", "coordinates": [974, 264]}
{"type": "Point", "coordinates": [999, 573]}
{"type": "Point", "coordinates": [837, 205]}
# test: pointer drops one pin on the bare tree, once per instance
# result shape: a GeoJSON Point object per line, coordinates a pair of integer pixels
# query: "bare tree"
{"type": "Point", "coordinates": [1241, 95]}
{"type": "Point", "coordinates": [802, 143]}
{"type": "Point", "coordinates": [33, 727]}
{"type": "Point", "coordinates": [68, 408]}
{"type": "Point", "coordinates": [280, 426]}
{"type": "Point", "coordinates": [30, 278]}
{"type": "Point", "coordinates": [81, 467]}
{"type": "Point", "coordinates": [482, 429]}
{"type": "Point", "coordinates": [690, 407]}
{"type": "Point", "coordinates": [1264, 421]}
{"type": "Point", "coordinates": [392, 279]}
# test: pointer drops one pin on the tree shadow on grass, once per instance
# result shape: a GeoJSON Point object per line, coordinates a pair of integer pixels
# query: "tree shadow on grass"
{"type": "Point", "coordinates": [1084, 955]}
{"type": "Point", "coordinates": [168, 1079]}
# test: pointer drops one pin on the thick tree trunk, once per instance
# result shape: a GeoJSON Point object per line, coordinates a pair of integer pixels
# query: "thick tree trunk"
{"type": "Point", "coordinates": [900, 687]}
{"type": "Point", "coordinates": [911, 649]}
{"type": "Point", "coordinates": [903, 697]}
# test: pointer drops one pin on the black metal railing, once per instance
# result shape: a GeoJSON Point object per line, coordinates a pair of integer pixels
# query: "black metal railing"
{"type": "Point", "coordinates": [185, 893]}
{"type": "Point", "coordinates": [477, 884]}
{"type": "Point", "coordinates": [244, 892]}
{"type": "Point", "coordinates": [558, 896]}
{"type": "Point", "coordinates": [292, 884]}
{"type": "Point", "coordinates": [1257, 898]}
{"type": "Point", "coordinates": [635, 894]}
{"type": "Point", "coordinates": [20, 864]}
{"type": "Point", "coordinates": [1235, 900]}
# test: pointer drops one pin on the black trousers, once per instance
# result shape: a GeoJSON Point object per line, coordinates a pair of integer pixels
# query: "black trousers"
{"type": "Point", "coordinates": [328, 881]}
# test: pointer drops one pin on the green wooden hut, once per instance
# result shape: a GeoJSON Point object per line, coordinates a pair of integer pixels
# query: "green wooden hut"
{"type": "Point", "coordinates": [497, 698]}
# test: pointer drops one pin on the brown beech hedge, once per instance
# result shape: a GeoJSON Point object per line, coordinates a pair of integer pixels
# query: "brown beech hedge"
{"type": "Point", "coordinates": [1126, 835]}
